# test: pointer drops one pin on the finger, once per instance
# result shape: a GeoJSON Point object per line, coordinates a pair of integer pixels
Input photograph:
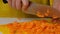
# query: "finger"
{"type": "Point", "coordinates": [18, 4]}
{"type": "Point", "coordinates": [25, 4]}
{"type": "Point", "coordinates": [10, 2]}
{"type": "Point", "coordinates": [13, 3]}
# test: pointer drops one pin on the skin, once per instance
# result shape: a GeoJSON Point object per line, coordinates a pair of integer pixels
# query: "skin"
{"type": "Point", "coordinates": [56, 4]}
{"type": "Point", "coordinates": [23, 4]}
{"type": "Point", "coordinates": [18, 4]}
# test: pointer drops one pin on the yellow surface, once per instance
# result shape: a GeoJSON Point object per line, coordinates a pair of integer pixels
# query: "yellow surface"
{"type": "Point", "coordinates": [43, 1]}
{"type": "Point", "coordinates": [40, 1]}
{"type": "Point", "coordinates": [4, 30]}
{"type": "Point", "coordinates": [51, 2]}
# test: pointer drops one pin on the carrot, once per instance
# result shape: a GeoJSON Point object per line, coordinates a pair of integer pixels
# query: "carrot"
{"type": "Point", "coordinates": [34, 27]}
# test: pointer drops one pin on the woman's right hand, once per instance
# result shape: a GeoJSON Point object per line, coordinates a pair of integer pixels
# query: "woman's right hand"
{"type": "Point", "coordinates": [19, 4]}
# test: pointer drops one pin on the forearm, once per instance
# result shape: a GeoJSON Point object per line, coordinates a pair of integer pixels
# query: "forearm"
{"type": "Point", "coordinates": [43, 11]}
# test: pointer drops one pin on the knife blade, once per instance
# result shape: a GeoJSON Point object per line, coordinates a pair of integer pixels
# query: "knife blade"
{"type": "Point", "coordinates": [42, 10]}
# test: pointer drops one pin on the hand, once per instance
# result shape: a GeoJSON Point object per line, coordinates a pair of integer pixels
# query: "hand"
{"type": "Point", "coordinates": [56, 4]}
{"type": "Point", "coordinates": [19, 4]}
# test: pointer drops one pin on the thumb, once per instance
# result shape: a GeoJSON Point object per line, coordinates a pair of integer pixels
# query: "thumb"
{"type": "Point", "coordinates": [25, 4]}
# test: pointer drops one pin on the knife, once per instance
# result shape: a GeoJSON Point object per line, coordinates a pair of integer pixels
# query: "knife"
{"type": "Point", "coordinates": [42, 10]}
